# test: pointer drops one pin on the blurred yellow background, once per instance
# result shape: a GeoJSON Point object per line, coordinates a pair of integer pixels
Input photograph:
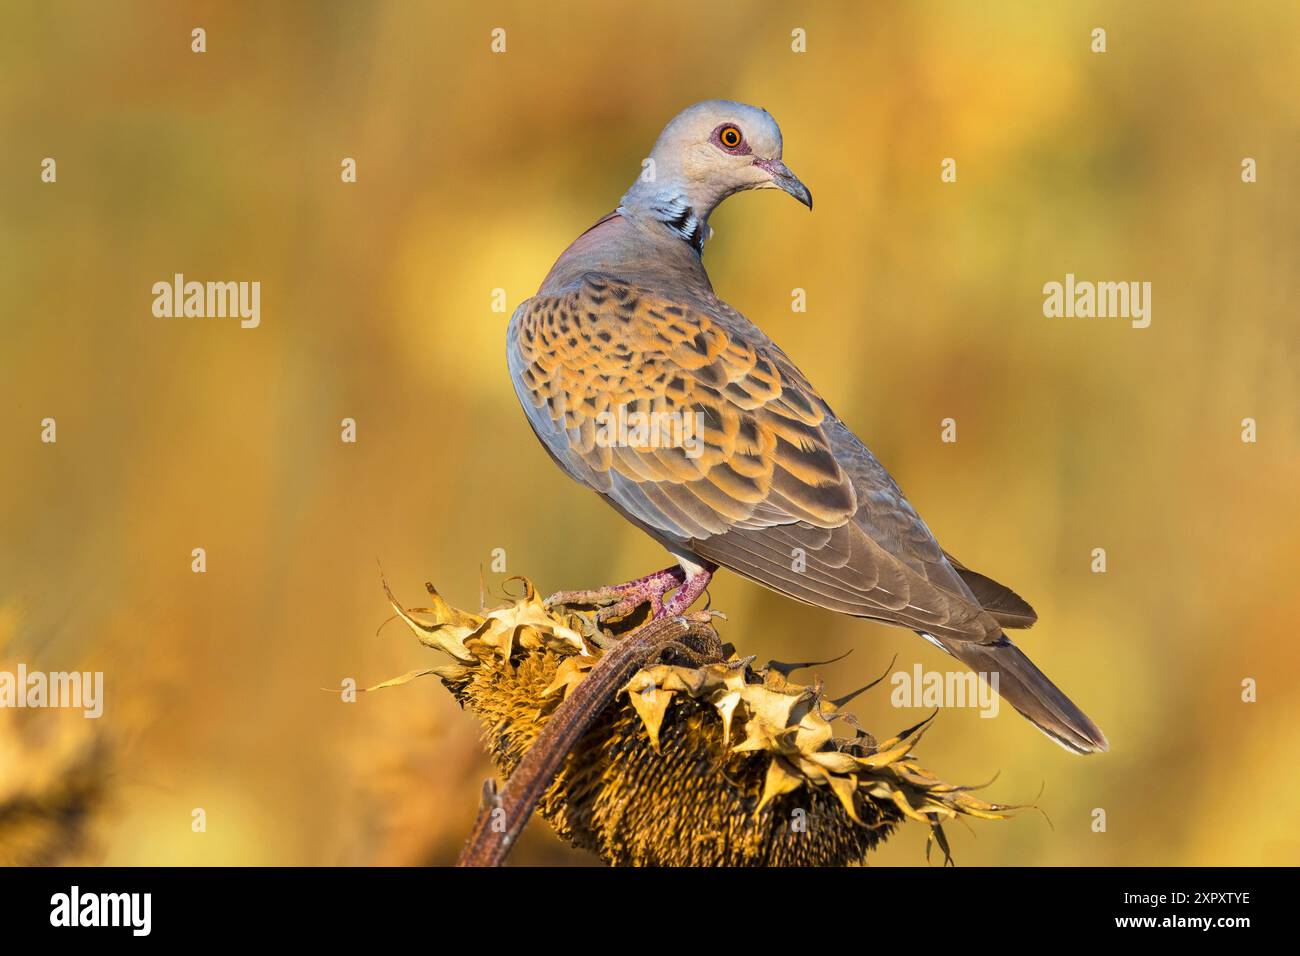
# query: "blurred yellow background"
{"type": "Point", "coordinates": [474, 171]}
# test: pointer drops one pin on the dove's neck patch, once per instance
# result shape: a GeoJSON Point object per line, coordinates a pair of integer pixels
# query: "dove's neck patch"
{"type": "Point", "coordinates": [674, 211]}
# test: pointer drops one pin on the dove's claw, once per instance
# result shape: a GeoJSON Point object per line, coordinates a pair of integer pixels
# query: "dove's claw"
{"type": "Point", "coordinates": [620, 600]}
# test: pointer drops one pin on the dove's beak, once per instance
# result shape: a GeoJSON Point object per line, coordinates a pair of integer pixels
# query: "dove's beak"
{"type": "Point", "coordinates": [782, 178]}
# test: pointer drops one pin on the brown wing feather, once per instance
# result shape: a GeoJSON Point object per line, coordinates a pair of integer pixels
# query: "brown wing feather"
{"type": "Point", "coordinates": [1007, 607]}
{"type": "Point", "coordinates": [779, 491]}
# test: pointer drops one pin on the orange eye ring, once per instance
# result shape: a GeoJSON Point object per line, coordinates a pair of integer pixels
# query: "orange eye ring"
{"type": "Point", "coordinates": [730, 137]}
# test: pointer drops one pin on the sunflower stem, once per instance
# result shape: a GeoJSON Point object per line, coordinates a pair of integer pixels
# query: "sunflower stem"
{"type": "Point", "coordinates": [505, 814]}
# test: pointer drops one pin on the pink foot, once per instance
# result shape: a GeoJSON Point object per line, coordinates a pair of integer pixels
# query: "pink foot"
{"type": "Point", "coordinates": [619, 600]}
{"type": "Point", "coordinates": [696, 581]}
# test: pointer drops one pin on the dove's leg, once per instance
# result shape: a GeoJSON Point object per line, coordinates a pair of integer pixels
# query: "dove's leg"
{"type": "Point", "coordinates": [626, 597]}
{"type": "Point", "coordinates": [690, 581]}
{"type": "Point", "coordinates": [619, 600]}
{"type": "Point", "coordinates": [698, 577]}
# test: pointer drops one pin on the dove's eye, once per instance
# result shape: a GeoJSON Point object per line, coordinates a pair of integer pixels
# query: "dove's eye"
{"type": "Point", "coordinates": [730, 137]}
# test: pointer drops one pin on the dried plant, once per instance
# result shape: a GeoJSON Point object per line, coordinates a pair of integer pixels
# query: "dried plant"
{"type": "Point", "coordinates": [701, 758]}
{"type": "Point", "coordinates": [54, 768]}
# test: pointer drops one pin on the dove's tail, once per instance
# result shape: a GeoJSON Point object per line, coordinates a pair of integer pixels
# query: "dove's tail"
{"type": "Point", "coordinates": [1028, 690]}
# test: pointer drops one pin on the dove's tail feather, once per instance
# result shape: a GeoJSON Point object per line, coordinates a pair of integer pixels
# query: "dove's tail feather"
{"type": "Point", "coordinates": [1028, 690]}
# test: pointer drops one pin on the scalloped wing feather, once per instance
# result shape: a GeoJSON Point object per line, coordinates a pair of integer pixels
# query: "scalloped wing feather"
{"type": "Point", "coordinates": [775, 481]}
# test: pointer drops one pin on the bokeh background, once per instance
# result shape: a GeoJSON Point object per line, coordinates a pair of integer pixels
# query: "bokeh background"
{"type": "Point", "coordinates": [475, 170]}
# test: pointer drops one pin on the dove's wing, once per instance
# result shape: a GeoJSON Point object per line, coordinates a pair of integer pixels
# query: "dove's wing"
{"type": "Point", "coordinates": [780, 491]}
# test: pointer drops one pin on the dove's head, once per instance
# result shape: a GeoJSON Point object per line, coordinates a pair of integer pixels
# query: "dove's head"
{"type": "Point", "coordinates": [708, 152]}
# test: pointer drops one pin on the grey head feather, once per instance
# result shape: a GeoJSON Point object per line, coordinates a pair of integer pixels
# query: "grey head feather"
{"type": "Point", "coordinates": [690, 172]}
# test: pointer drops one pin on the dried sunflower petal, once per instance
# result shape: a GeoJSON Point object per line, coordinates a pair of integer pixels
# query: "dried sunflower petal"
{"type": "Point", "coordinates": [658, 779]}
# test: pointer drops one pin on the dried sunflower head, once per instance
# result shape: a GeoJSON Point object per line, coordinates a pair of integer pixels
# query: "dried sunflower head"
{"type": "Point", "coordinates": [701, 760]}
